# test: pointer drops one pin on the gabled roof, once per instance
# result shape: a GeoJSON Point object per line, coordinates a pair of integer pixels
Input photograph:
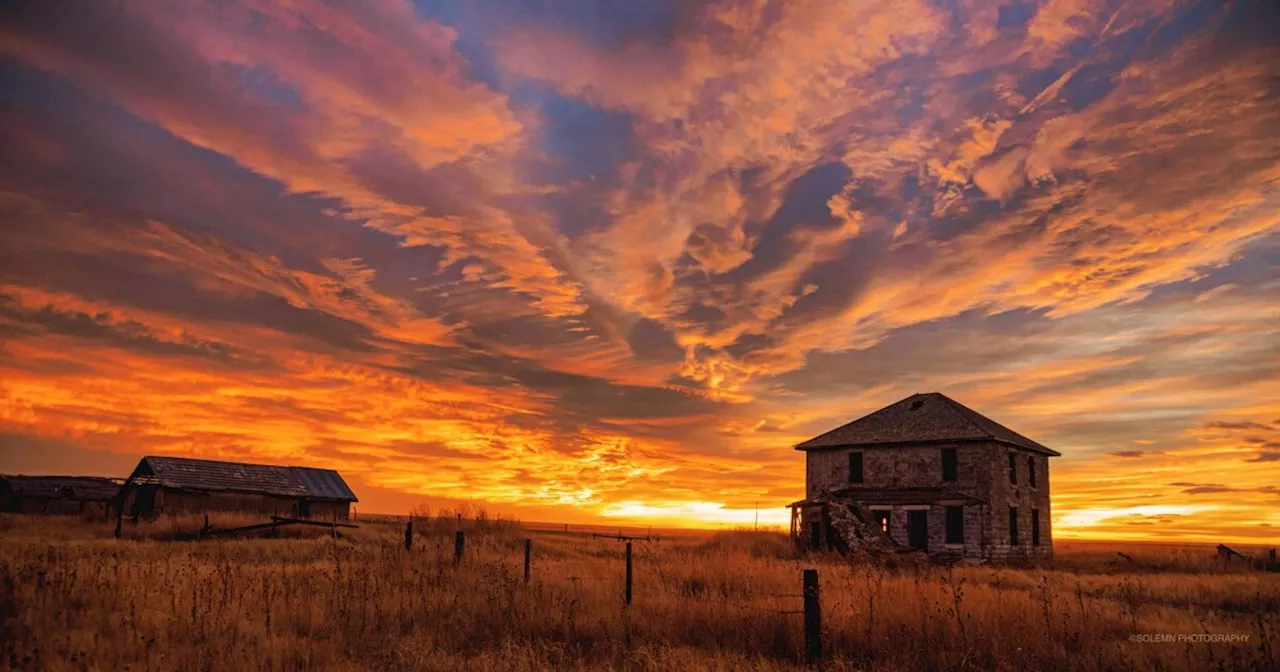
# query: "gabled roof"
{"type": "Point", "coordinates": [75, 488]}
{"type": "Point", "coordinates": [214, 476]}
{"type": "Point", "coordinates": [922, 418]}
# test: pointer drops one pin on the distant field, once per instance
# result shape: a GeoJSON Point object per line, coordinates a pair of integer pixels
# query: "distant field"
{"type": "Point", "coordinates": [72, 597]}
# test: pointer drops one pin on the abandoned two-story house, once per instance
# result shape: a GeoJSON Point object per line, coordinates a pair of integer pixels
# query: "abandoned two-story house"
{"type": "Point", "coordinates": [931, 474]}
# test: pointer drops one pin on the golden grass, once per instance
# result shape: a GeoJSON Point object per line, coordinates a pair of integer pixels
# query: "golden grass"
{"type": "Point", "coordinates": [73, 597]}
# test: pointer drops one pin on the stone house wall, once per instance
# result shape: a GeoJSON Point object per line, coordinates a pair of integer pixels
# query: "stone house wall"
{"type": "Point", "coordinates": [981, 471]}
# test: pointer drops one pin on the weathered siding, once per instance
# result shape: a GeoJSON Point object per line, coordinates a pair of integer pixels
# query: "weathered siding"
{"type": "Point", "coordinates": [330, 510]}
{"type": "Point", "coordinates": [171, 501]}
{"type": "Point", "coordinates": [55, 506]}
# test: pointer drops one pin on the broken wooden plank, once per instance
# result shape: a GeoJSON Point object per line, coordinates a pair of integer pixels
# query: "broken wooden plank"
{"type": "Point", "coordinates": [317, 523]}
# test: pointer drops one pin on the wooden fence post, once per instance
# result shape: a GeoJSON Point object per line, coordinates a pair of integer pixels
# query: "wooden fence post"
{"type": "Point", "coordinates": [408, 535]}
{"type": "Point", "coordinates": [119, 521]}
{"type": "Point", "coordinates": [528, 555]}
{"type": "Point", "coordinates": [628, 596]}
{"type": "Point", "coordinates": [459, 540]}
{"type": "Point", "coordinates": [812, 618]}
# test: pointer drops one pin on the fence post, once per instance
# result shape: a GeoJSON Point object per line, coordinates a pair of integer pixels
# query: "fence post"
{"type": "Point", "coordinates": [628, 596]}
{"type": "Point", "coordinates": [119, 521]}
{"type": "Point", "coordinates": [528, 555]}
{"type": "Point", "coordinates": [408, 535]}
{"type": "Point", "coordinates": [812, 618]}
{"type": "Point", "coordinates": [458, 542]}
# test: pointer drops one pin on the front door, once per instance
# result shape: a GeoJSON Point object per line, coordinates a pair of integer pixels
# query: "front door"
{"type": "Point", "coordinates": [918, 529]}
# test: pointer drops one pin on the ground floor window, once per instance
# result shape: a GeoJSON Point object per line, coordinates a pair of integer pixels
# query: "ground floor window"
{"type": "Point", "coordinates": [882, 521]}
{"type": "Point", "coordinates": [1035, 527]}
{"type": "Point", "coordinates": [918, 528]}
{"type": "Point", "coordinates": [1013, 526]}
{"type": "Point", "coordinates": [955, 524]}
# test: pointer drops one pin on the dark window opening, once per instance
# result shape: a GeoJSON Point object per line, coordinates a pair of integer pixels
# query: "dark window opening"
{"type": "Point", "coordinates": [1013, 468]}
{"type": "Point", "coordinates": [1013, 526]}
{"type": "Point", "coordinates": [882, 521]}
{"type": "Point", "coordinates": [918, 529]}
{"type": "Point", "coordinates": [855, 467]}
{"type": "Point", "coordinates": [1031, 471]}
{"type": "Point", "coordinates": [955, 524]}
{"type": "Point", "coordinates": [949, 464]}
{"type": "Point", "coordinates": [1035, 527]}
{"type": "Point", "coordinates": [815, 536]}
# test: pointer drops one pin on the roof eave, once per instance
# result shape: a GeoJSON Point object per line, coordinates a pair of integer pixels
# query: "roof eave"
{"type": "Point", "coordinates": [926, 442]}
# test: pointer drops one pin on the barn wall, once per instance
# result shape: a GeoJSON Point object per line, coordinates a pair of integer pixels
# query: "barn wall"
{"type": "Point", "coordinates": [324, 510]}
{"type": "Point", "coordinates": [172, 501]}
{"type": "Point", "coordinates": [56, 506]}
{"type": "Point", "coordinates": [180, 501]}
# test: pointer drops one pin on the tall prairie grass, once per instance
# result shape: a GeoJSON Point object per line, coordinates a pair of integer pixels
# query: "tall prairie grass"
{"type": "Point", "coordinates": [72, 597]}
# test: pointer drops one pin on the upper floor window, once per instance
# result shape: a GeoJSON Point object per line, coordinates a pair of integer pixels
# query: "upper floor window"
{"type": "Point", "coordinates": [1013, 468]}
{"type": "Point", "coordinates": [949, 464]}
{"type": "Point", "coordinates": [1031, 471]}
{"type": "Point", "coordinates": [855, 467]}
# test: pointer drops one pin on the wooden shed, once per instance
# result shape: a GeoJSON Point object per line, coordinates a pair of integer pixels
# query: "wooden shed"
{"type": "Point", "coordinates": [71, 495]}
{"type": "Point", "coordinates": [184, 485]}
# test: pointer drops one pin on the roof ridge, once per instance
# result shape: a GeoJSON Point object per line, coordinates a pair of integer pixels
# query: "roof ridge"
{"type": "Point", "coordinates": [969, 414]}
{"type": "Point", "coordinates": [243, 464]}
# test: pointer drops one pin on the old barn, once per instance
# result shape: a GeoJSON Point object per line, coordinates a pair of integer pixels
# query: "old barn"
{"type": "Point", "coordinates": [184, 485]}
{"type": "Point", "coordinates": [930, 474]}
{"type": "Point", "coordinates": [71, 495]}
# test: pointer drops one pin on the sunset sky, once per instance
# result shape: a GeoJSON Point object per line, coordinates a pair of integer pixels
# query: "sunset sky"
{"type": "Point", "coordinates": [587, 261]}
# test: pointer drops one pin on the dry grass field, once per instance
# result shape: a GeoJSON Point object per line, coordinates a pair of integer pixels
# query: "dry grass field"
{"type": "Point", "coordinates": [74, 598]}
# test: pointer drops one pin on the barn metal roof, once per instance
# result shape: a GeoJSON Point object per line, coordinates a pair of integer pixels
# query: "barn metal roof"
{"type": "Point", "coordinates": [323, 483]}
{"type": "Point", "coordinates": [77, 488]}
{"type": "Point", "coordinates": [210, 475]}
{"type": "Point", "coordinates": [922, 418]}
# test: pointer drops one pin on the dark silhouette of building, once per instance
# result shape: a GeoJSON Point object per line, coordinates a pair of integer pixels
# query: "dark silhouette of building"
{"type": "Point", "coordinates": [72, 495]}
{"type": "Point", "coordinates": [184, 485]}
{"type": "Point", "coordinates": [929, 473]}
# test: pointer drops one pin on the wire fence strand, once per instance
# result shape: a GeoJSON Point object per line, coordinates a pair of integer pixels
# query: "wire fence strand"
{"type": "Point", "coordinates": [767, 609]}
